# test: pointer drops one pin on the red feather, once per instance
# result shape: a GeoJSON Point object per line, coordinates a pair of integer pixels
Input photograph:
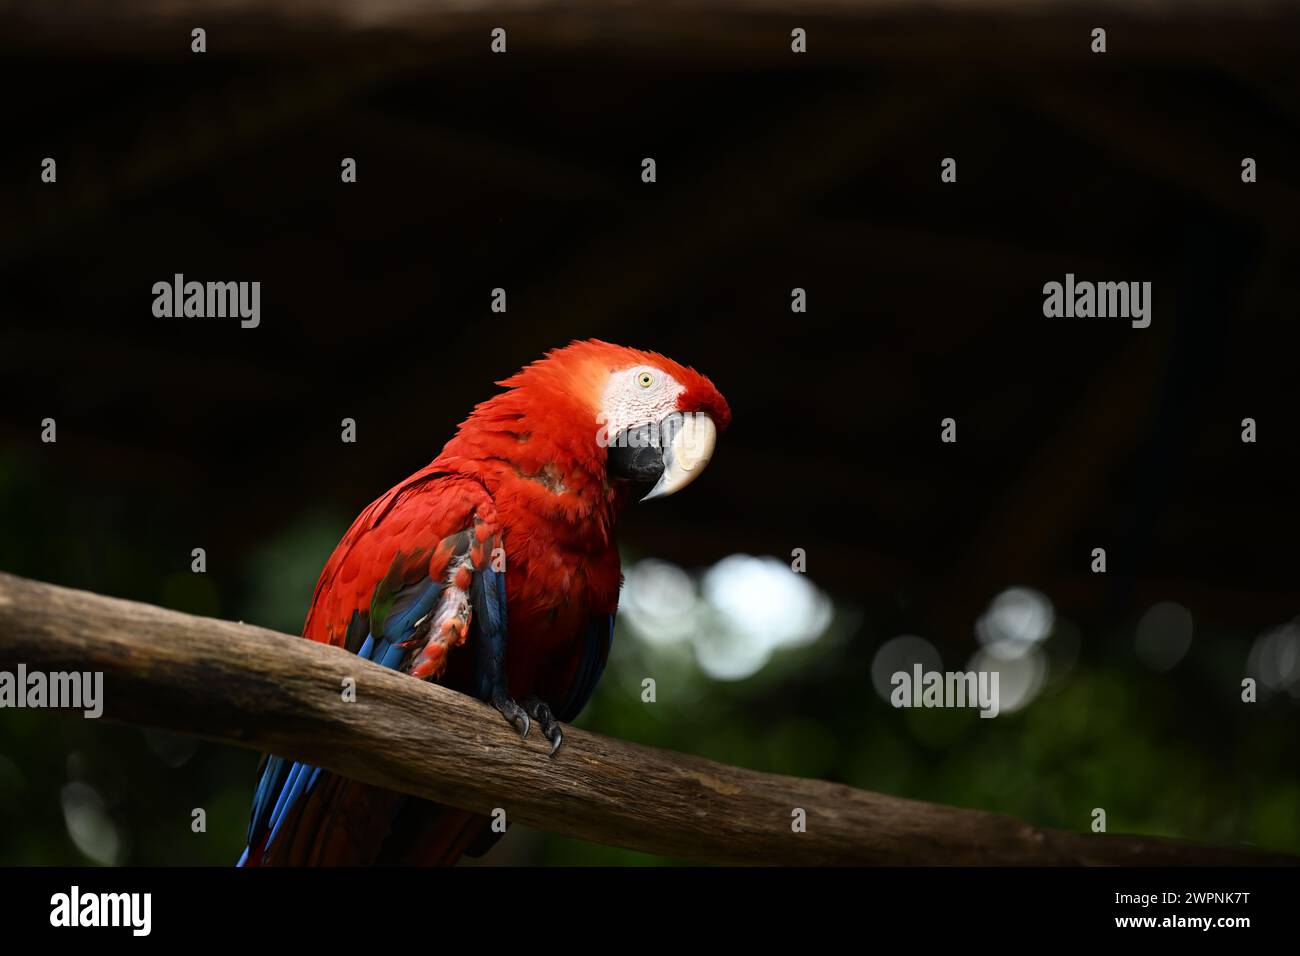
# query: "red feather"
{"type": "Point", "coordinates": [529, 465]}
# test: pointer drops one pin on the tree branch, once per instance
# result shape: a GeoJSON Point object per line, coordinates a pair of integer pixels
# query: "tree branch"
{"type": "Point", "coordinates": [237, 684]}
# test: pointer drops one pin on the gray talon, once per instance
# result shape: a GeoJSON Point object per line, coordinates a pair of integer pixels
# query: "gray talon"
{"type": "Point", "coordinates": [550, 726]}
{"type": "Point", "coordinates": [513, 714]}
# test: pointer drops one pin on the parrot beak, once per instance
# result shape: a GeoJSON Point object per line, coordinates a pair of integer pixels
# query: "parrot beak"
{"type": "Point", "coordinates": [688, 446]}
{"type": "Point", "coordinates": [671, 455]}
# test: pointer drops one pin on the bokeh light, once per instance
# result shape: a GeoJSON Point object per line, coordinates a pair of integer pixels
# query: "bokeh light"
{"type": "Point", "coordinates": [1016, 620]}
{"type": "Point", "coordinates": [89, 825]}
{"type": "Point", "coordinates": [1164, 635]}
{"type": "Point", "coordinates": [734, 616]}
{"type": "Point", "coordinates": [1274, 659]}
{"type": "Point", "coordinates": [1020, 676]}
{"type": "Point", "coordinates": [902, 654]}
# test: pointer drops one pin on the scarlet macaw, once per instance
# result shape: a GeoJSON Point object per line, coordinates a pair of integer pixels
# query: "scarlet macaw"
{"type": "Point", "coordinates": [493, 571]}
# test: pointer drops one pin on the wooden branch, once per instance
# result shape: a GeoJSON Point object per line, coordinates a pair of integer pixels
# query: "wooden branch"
{"type": "Point", "coordinates": [237, 684]}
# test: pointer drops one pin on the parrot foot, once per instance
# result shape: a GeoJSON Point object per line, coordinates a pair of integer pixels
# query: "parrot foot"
{"type": "Point", "coordinates": [512, 712]}
{"type": "Point", "coordinates": [541, 713]}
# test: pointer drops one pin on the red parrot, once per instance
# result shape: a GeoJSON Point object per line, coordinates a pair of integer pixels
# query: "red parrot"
{"type": "Point", "coordinates": [493, 571]}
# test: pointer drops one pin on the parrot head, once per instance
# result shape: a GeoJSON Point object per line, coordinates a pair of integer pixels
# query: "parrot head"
{"type": "Point", "coordinates": [632, 417]}
{"type": "Point", "coordinates": [658, 421]}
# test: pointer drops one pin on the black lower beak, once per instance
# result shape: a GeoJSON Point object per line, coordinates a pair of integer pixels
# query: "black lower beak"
{"type": "Point", "coordinates": [633, 455]}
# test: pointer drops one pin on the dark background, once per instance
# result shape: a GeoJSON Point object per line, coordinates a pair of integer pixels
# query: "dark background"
{"type": "Point", "coordinates": [774, 171]}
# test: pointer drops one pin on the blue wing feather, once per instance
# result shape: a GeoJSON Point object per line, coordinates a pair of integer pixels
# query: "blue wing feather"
{"type": "Point", "coordinates": [597, 638]}
{"type": "Point", "coordinates": [488, 600]}
{"type": "Point", "coordinates": [282, 783]}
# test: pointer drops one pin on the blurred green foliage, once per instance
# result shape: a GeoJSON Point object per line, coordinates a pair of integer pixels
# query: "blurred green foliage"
{"type": "Point", "coordinates": [1174, 754]}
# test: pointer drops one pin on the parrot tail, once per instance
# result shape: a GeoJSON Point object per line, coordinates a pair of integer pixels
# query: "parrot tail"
{"type": "Point", "coordinates": [322, 819]}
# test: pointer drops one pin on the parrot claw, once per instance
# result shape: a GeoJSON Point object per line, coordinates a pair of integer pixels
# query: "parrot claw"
{"type": "Point", "coordinates": [546, 720]}
{"type": "Point", "coordinates": [513, 713]}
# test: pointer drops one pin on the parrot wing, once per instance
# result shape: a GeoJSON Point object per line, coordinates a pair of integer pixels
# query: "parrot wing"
{"type": "Point", "coordinates": [412, 578]}
{"type": "Point", "coordinates": [588, 664]}
{"type": "Point", "coordinates": [433, 834]}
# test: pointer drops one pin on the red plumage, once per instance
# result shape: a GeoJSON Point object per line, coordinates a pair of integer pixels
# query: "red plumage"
{"type": "Point", "coordinates": [525, 471]}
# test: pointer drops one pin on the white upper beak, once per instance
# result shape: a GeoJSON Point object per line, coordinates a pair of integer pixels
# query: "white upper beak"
{"type": "Point", "coordinates": [686, 455]}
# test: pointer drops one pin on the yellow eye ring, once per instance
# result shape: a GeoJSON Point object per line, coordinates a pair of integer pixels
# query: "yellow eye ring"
{"type": "Point", "coordinates": [645, 379]}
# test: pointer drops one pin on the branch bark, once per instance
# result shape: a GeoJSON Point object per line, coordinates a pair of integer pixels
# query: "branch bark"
{"type": "Point", "coordinates": [237, 684]}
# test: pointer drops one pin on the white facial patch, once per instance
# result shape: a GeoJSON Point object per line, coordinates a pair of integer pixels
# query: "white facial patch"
{"type": "Point", "coordinates": [641, 395]}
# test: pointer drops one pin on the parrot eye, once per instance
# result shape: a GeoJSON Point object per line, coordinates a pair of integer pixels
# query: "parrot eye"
{"type": "Point", "coordinates": [645, 379]}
